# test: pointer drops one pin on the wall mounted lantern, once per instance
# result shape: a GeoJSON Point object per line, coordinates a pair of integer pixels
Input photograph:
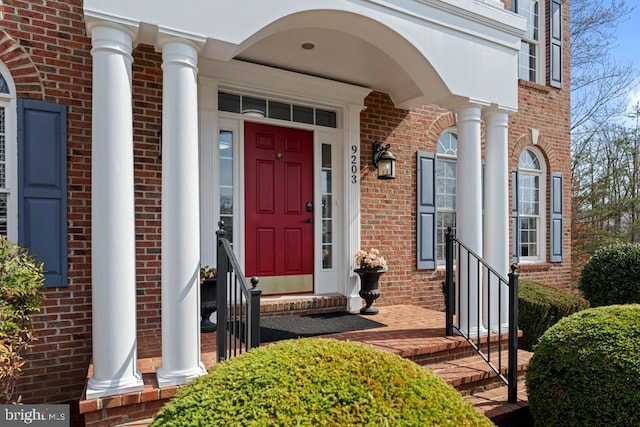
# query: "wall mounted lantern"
{"type": "Point", "coordinates": [384, 161]}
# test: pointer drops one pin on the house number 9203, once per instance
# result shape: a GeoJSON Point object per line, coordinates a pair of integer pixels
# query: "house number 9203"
{"type": "Point", "coordinates": [354, 164]}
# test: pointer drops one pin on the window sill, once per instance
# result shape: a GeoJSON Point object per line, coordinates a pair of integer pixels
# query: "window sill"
{"type": "Point", "coordinates": [533, 85]}
{"type": "Point", "coordinates": [530, 266]}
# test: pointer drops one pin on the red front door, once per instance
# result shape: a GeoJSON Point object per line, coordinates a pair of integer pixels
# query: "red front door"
{"type": "Point", "coordinates": [278, 207]}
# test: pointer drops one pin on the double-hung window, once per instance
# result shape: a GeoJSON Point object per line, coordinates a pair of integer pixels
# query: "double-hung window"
{"type": "Point", "coordinates": [529, 60]}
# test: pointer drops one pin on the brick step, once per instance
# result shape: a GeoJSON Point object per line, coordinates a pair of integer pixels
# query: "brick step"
{"type": "Point", "coordinates": [299, 305]}
{"type": "Point", "coordinates": [440, 349]}
{"type": "Point", "coordinates": [472, 374]}
{"type": "Point", "coordinates": [493, 404]}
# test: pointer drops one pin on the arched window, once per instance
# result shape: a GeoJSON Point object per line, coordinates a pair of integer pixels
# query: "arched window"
{"type": "Point", "coordinates": [531, 209]}
{"type": "Point", "coordinates": [446, 183]}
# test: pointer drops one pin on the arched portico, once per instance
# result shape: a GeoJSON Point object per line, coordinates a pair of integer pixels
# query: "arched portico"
{"type": "Point", "coordinates": [461, 55]}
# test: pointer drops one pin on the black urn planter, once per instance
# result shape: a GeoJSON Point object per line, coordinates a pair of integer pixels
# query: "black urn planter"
{"type": "Point", "coordinates": [369, 288]}
{"type": "Point", "coordinates": [208, 304]}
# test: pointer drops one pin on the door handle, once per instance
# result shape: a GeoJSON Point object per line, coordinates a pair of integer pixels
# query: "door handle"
{"type": "Point", "coordinates": [308, 220]}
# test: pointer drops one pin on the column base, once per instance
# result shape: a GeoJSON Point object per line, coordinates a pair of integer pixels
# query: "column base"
{"type": "Point", "coordinates": [96, 388]}
{"type": "Point", "coordinates": [167, 379]}
{"type": "Point", "coordinates": [474, 331]}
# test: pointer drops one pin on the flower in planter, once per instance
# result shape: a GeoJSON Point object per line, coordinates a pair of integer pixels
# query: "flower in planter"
{"type": "Point", "coordinates": [207, 272]}
{"type": "Point", "coordinates": [371, 260]}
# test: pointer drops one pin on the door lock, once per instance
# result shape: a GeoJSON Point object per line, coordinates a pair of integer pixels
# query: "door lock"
{"type": "Point", "coordinates": [309, 207]}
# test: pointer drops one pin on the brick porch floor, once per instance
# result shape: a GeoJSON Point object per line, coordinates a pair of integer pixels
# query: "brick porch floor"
{"type": "Point", "coordinates": [411, 332]}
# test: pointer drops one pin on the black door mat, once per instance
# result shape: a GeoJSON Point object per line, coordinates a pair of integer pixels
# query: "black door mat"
{"type": "Point", "coordinates": [287, 327]}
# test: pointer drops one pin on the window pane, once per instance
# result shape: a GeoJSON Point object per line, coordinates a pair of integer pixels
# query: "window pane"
{"type": "Point", "coordinates": [4, 87]}
{"type": "Point", "coordinates": [255, 106]}
{"type": "Point", "coordinates": [326, 181]}
{"type": "Point", "coordinates": [226, 201]}
{"type": "Point", "coordinates": [226, 172]}
{"type": "Point", "coordinates": [3, 214]}
{"type": "Point", "coordinates": [228, 102]}
{"type": "Point", "coordinates": [279, 110]}
{"type": "Point", "coordinates": [302, 114]}
{"type": "Point", "coordinates": [326, 118]}
{"type": "Point", "coordinates": [448, 144]}
{"type": "Point", "coordinates": [326, 156]}
{"type": "Point", "coordinates": [444, 221]}
{"type": "Point", "coordinates": [327, 256]}
{"type": "Point", "coordinates": [327, 208]}
{"type": "Point", "coordinates": [226, 181]}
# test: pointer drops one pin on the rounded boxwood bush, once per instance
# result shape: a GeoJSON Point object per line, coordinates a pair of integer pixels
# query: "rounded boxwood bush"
{"type": "Point", "coordinates": [586, 370]}
{"type": "Point", "coordinates": [612, 275]}
{"type": "Point", "coordinates": [540, 307]}
{"type": "Point", "coordinates": [318, 382]}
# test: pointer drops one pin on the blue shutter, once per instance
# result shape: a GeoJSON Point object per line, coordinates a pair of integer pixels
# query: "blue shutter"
{"type": "Point", "coordinates": [555, 43]}
{"type": "Point", "coordinates": [42, 186]}
{"type": "Point", "coordinates": [515, 229]}
{"type": "Point", "coordinates": [426, 206]}
{"type": "Point", "coordinates": [556, 217]}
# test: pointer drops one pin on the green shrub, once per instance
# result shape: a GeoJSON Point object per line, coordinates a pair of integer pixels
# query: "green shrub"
{"type": "Point", "coordinates": [586, 370]}
{"type": "Point", "coordinates": [318, 382]}
{"type": "Point", "coordinates": [540, 307]}
{"type": "Point", "coordinates": [20, 281]}
{"type": "Point", "coordinates": [612, 275]}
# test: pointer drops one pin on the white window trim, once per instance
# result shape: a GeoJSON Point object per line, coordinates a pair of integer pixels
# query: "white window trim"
{"type": "Point", "coordinates": [9, 102]}
{"type": "Point", "coordinates": [542, 226]}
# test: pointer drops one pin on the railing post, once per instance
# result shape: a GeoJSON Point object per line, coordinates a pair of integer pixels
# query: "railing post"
{"type": "Point", "coordinates": [254, 315]}
{"type": "Point", "coordinates": [448, 281]}
{"type": "Point", "coordinates": [513, 336]}
{"type": "Point", "coordinates": [221, 294]}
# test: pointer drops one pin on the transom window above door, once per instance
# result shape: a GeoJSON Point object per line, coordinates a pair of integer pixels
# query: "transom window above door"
{"type": "Point", "coordinates": [272, 109]}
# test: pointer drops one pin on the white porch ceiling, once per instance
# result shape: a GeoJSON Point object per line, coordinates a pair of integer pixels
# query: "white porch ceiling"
{"type": "Point", "coordinates": [336, 55]}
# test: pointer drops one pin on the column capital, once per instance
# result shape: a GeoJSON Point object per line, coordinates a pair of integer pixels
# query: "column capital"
{"type": "Point", "coordinates": [109, 33]}
{"type": "Point", "coordinates": [177, 46]}
{"type": "Point", "coordinates": [495, 117]}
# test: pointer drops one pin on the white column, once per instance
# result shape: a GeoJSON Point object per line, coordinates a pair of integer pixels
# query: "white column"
{"type": "Point", "coordinates": [496, 215]}
{"type": "Point", "coordinates": [352, 203]}
{"type": "Point", "coordinates": [180, 215]}
{"type": "Point", "coordinates": [469, 217]}
{"type": "Point", "coordinates": [113, 245]}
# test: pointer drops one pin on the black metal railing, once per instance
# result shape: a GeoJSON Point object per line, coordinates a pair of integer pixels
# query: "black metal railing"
{"type": "Point", "coordinates": [484, 280]}
{"type": "Point", "coordinates": [238, 320]}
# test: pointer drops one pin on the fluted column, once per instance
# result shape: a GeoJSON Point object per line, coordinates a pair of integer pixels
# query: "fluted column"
{"type": "Point", "coordinates": [180, 214]}
{"type": "Point", "coordinates": [113, 273]}
{"type": "Point", "coordinates": [469, 216]}
{"type": "Point", "coordinates": [496, 216]}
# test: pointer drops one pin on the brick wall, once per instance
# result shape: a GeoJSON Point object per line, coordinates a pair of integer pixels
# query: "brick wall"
{"type": "Point", "coordinates": [45, 46]}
